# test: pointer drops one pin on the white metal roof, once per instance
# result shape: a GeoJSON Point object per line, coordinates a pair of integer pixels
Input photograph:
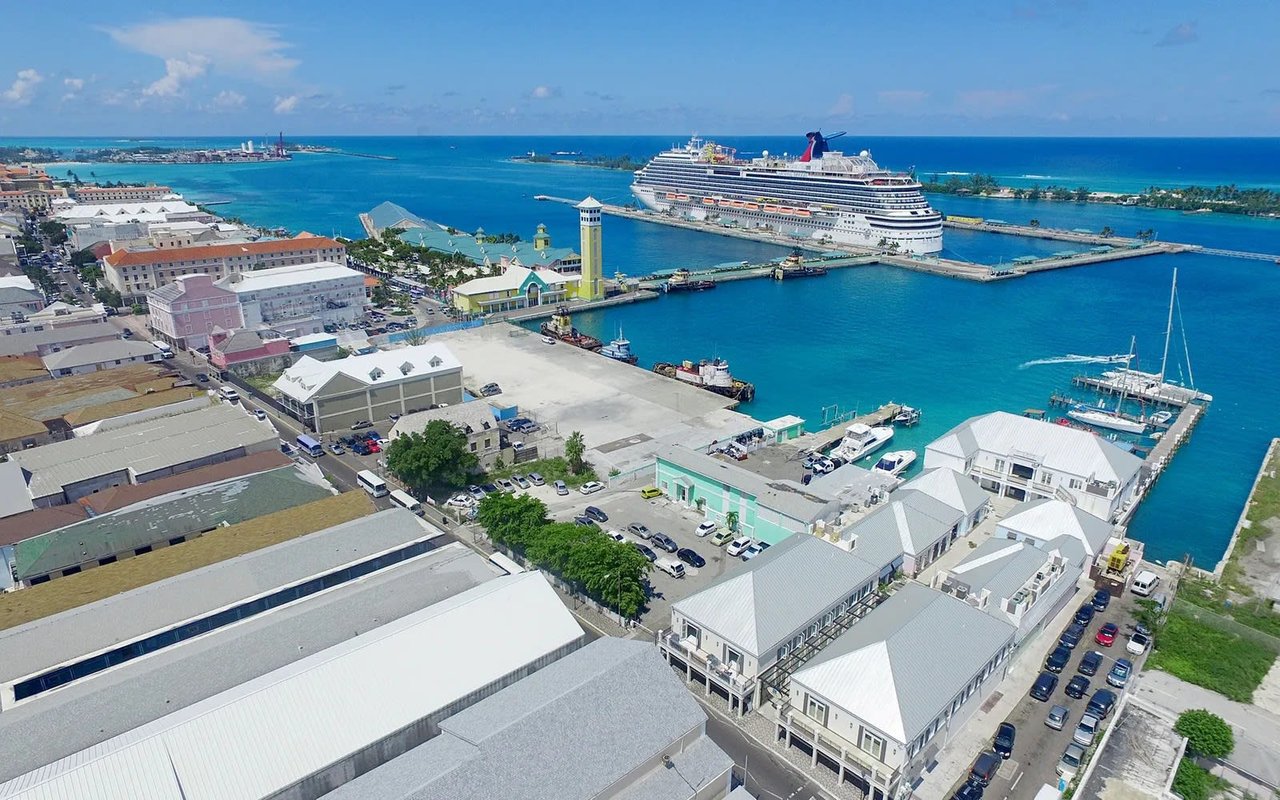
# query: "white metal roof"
{"type": "Point", "coordinates": [306, 377]}
{"type": "Point", "coordinates": [125, 211]}
{"type": "Point", "coordinates": [510, 279]}
{"type": "Point", "coordinates": [952, 488]}
{"type": "Point", "coordinates": [1047, 519]}
{"type": "Point", "coordinates": [274, 731]}
{"type": "Point", "coordinates": [1056, 447]}
{"type": "Point", "coordinates": [291, 275]}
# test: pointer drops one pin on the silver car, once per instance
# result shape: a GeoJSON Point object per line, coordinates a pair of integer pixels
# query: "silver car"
{"type": "Point", "coordinates": [1072, 759]}
{"type": "Point", "coordinates": [1086, 730]}
{"type": "Point", "coordinates": [1057, 718]}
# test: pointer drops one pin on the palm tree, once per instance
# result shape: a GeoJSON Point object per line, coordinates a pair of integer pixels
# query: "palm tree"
{"type": "Point", "coordinates": [1035, 223]}
{"type": "Point", "coordinates": [731, 521]}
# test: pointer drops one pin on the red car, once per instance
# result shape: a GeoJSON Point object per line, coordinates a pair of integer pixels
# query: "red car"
{"type": "Point", "coordinates": [373, 446]}
{"type": "Point", "coordinates": [1107, 634]}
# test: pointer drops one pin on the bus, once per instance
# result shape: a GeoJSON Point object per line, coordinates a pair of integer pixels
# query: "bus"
{"type": "Point", "coordinates": [165, 350]}
{"type": "Point", "coordinates": [371, 483]}
{"type": "Point", "coordinates": [406, 501]}
{"type": "Point", "coordinates": [505, 564]}
{"type": "Point", "coordinates": [310, 446]}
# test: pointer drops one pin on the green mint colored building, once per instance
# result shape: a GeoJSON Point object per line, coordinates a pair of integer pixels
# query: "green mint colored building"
{"type": "Point", "coordinates": [768, 510]}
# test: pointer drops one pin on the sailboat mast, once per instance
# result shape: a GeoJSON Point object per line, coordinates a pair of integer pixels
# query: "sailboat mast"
{"type": "Point", "coordinates": [1168, 329]}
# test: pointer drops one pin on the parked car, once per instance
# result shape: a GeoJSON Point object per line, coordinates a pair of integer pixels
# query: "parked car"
{"type": "Point", "coordinates": [1120, 672]}
{"type": "Point", "coordinates": [754, 549]}
{"type": "Point", "coordinates": [361, 449]}
{"type": "Point", "coordinates": [461, 501]}
{"type": "Point", "coordinates": [615, 535]}
{"type": "Point", "coordinates": [1072, 635]}
{"type": "Point", "coordinates": [259, 413]}
{"type": "Point", "coordinates": [739, 546]}
{"type": "Point", "coordinates": [475, 491]}
{"type": "Point", "coordinates": [1101, 599]}
{"type": "Point", "coordinates": [1138, 644]}
{"type": "Point", "coordinates": [1107, 634]}
{"type": "Point", "coordinates": [536, 479]}
{"type": "Point", "coordinates": [1071, 760]}
{"type": "Point", "coordinates": [646, 552]}
{"type": "Point", "coordinates": [506, 485]}
{"type": "Point", "coordinates": [1101, 703]}
{"type": "Point", "coordinates": [706, 528]}
{"type": "Point", "coordinates": [372, 436]}
{"type": "Point", "coordinates": [489, 488]}
{"type": "Point", "coordinates": [1077, 687]}
{"type": "Point", "coordinates": [650, 492]}
{"type": "Point", "coordinates": [984, 767]}
{"type": "Point", "coordinates": [337, 449]}
{"type": "Point", "coordinates": [664, 541]}
{"type": "Point", "coordinates": [1003, 743]}
{"type": "Point", "coordinates": [1091, 663]}
{"type": "Point", "coordinates": [596, 514]}
{"type": "Point", "coordinates": [591, 487]}
{"type": "Point", "coordinates": [372, 446]}
{"type": "Point", "coordinates": [639, 529]}
{"type": "Point", "coordinates": [1086, 730]}
{"type": "Point", "coordinates": [1057, 717]}
{"type": "Point", "coordinates": [561, 488]}
{"type": "Point", "coordinates": [1084, 615]}
{"type": "Point", "coordinates": [490, 389]}
{"type": "Point", "coordinates": [523, 482]}
{"type": "Point", "coordinates": [1057, 660]}
{"type": "Point", "coordinates": [721, 538]}
{"type": "Point", "coordinates": [1044, 686]}
{"type": "Point", "coordinates": [970, 790]}
{"type": "Point", "coordinates": [690, 557]}
{"type": "Point", "coordinates": [360, 423]}
{"type": "Point", "coordinates": [203, 377]}
{"type": "Point", "coordinates": [586, 522]}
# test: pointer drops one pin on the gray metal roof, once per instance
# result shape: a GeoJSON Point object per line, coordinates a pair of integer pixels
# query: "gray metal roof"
{"type": "Point", "coordinates": [786, 497]}
{"type": "Point", "coordinates": [570, 730]}
{"type": "Point", "coordinates": [777, 593]}
{"type": "Point", "coordinates": [897, 668]}
{"type": "Point", "coordinates": [471, 417]}
{"type": "Point", "coordinates": [53, 640]}
{"type": "Point", "coordinates": [145, 447]}
{"type": "Point", "coordinates": [181, 513]}
{"type": "Point", "coordinates": [910, 522]}
{"type": "Point", "coordinates": [80, 715]}
{"type": "Point", "coordinates": [1000, 566]}
{"type": "Point", "coordinates": [953, 488]}
{"type": "Point", "coordinates": [14, 497]}
{"type": "Point", "coordinates": [1047, 519]}
{"type": "Point", "coordinates": [82, 355]}
{"type": "Point", "coordinates": [30, 341]}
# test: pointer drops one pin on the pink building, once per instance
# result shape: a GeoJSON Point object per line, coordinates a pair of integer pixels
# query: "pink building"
{"type": "Point", "coordinates": [248, 352]}
{"type": "Point", "coordinates": [186, 311]}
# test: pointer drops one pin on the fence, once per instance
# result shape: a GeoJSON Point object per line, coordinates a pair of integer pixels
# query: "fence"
{"type": "Point", "coordinates": [1213, 619]}
{"type": "Point", "coordinates": [402, 336]}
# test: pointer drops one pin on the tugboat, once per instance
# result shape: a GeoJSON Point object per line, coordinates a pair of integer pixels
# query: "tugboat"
{"type": "Point", "coordinates": [561, 327]}
{"type": "Point", "coordinates": [619, 349]}
{"type": "Point", "coordinates": [681, 282]}
{"type": "Point", "coordinates": [711, 375]}
{"type": "Point", "coordinates": [793, 266]}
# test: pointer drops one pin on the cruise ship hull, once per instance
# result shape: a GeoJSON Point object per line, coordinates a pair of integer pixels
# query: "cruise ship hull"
{"type": "Point", "coordinates": [837, 228]}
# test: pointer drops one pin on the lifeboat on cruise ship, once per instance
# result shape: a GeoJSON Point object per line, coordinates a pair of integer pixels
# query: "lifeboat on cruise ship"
{"type": "Point", "coordinates": [801, 212]}
{"type": "Point", "coordinates": [774, 209]}
{"type": "Point", "coordinates": [738, 204]}
{"type": "Point", "coordinates": [671, 195]}
{"type": "Point", "coordinates": [707, 201]}
{"type": "Point", "coordinates": [682, 197]}
{"type": "Point", "coordinates": [726, 203]}
{"type": "Point", "coordinates": [752, 207]}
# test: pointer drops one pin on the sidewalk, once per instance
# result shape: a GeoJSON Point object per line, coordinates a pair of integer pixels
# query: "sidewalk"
{"type": "Point", "coordinates": [975, 735]}
{"type": "Point", "coordinates": [1257, 731]}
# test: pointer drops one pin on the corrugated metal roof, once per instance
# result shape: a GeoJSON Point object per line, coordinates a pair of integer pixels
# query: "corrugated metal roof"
{"type": "Point", "coordinates": [910, 522]}
{"type": "Point", "coordinates": [897, 668]}
{"type": "Point", "coordinates": [801, 503]}
{"type": "Point", "coordinates": [289, 275]}
{"type": "Point", "coordinates": [1001, 567]}
{"type": "Point", "coordinates": [83, 714]}
{"type": "Point", "coordinates": [276, 730]}
{"type": "Point", "coordinates": [572, 730]}
{"type": "Point", "coordinates": [777, 593]}
{"type": "Point", "coordinates": [308, 376]}
{"type": "Point", "coordinates": [143, 448]}
{"type": "Point", "coordinates": [473, 416]}
{"type": "Point", "coordinates": [99, 352]}
{"type": "Point", "coordinates": [953, 488]}
{"type": "Point", "coordinates": [1057, 447]}
{"type": "Point", "coordinates": [1047, 519]}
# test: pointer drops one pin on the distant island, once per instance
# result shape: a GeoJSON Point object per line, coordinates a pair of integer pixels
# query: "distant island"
{"type": "Point", "coordinates": [246, 153]}
{"type": "Point", "coordinates": [578, 160]}
{"type": "Point", "coordinates": [1190, 199]}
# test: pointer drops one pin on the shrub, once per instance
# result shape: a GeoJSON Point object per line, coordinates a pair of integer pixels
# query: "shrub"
{"type": "Point", "coordinates": [1207, 733]}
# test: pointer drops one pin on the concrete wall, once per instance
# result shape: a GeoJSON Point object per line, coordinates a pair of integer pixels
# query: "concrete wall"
{"type": "Point", "coordinates": [376, 404]}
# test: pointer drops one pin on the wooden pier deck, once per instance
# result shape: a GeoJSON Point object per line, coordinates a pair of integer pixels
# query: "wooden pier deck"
{"type": "Point", "coordinates": [819, 441]}
{"type": "Point", "coordinates": [1160, 456]}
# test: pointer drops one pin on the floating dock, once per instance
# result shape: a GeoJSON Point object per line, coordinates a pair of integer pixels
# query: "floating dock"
{"type": "Point", "coordinates": [1160, 456]}
{"type": "Point", "coordinates": [1141, 386]}
{"type": "Point", "coordinates": [819, 441]}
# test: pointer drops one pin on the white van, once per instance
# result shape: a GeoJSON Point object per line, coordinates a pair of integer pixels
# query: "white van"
{"type": "Point", "coordinates": [406, 501]}
{"type": "Point", "coordinates": [228, 394]}
{"type": "Point", "coordinates": [672, 567]}
{"type": "Point", "coordinates": [1145, 583]}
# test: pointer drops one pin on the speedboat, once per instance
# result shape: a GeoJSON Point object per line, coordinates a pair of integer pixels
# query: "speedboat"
{"type": "Point", "coordinates": [862, 440]}
{"type": "Point", "coordinates": [1161, 418]}
{"type": "Point", "coordinates": [906, 416]}
{"type": "Point", "coordinates": [895, 462]}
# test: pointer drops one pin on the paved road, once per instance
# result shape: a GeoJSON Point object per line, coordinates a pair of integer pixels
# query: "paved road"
{"type": "Point", "coordinates": [768, 776]}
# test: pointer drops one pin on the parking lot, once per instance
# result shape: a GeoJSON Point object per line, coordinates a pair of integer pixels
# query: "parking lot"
{"type": "Point", "coordinates": [1039, 747]}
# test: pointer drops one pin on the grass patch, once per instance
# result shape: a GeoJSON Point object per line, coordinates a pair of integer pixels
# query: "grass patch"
{"type": "Point", "coordinates": [63, 594]}
{"type": "Point", "coordinates": [1266, 500]}
{"type": "Point", "coordinates": [552, 469]}
{"type": "Point", "coordinates": [1207, 656]}
{"type": "Point", "coordinates": [1263, 504]}
{"type": "Point", "coordinates": [1194, 782]}
{"type": "Point", "coordinates": [263, 382]}
{"type": "Point", "coordinates": [1255, 613]}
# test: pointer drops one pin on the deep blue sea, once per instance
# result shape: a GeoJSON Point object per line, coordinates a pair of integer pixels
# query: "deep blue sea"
{"type": "Point", "coordinates": [860, 337]}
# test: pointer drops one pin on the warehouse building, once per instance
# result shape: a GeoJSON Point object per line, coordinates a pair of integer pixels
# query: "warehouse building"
{"type": "Point", "coordinates": [617, 721]}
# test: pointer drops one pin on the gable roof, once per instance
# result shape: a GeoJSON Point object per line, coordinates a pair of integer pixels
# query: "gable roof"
{"type": "Point", "coordinates": [1048, 519]}
{"type": "Point", "coordinates": [760, 607]}
{"type": "Point", "coordinates": [512, 278]}
{"type": "Point", "coordinates": [950, 487]}
{"type": "Point", "coordinates": [1057, 447]}
{"type": "Point", "coordinates": [390, 215]}
{"type": "Point", "coordinates": [886, 670]}
{"type": "Point", "coordinates": [910, 522]}
{"type": "Point", "coordinates": [130, 258]}
{"type": "Point", "coordinates": [83, 355]}
{"type": "Point", "coordinates": [308, 376]}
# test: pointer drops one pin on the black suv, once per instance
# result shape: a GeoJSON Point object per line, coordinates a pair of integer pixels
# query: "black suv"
{"type": "Point", "coordinates": [1003, 743]}
{"type": "Point", "coordinates": [1072, 635]}
{"type": "Point", "coordinates": [1091, 663]}
{"type": "Point", "coordinates": [1084, 614]}
{"type": "Point", "coordinates": [596, 514]}
{"type": "Point", "coordinates": [1057, 660]}
{"type": "Point", "coordinates": [1101, 703]}
{"type": "Point", "coordinates": [1044, 686]}
{"type": "Point", "coordinates": [984, 768]}
{"type": "Point", "coordinates": [1101, 599]}
{"type": "Point", "coordinates": [1077, 687]}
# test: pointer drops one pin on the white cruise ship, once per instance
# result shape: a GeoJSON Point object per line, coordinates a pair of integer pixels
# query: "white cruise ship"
{"type": "Point", "coordinates": [823, 195]}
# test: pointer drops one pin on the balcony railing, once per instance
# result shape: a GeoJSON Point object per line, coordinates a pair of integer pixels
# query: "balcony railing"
{"type": "Point", "coordinates": [714, 667]}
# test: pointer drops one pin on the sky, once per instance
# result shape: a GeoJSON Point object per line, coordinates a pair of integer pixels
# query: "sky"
{"type": "Point", "coordinates": [424, 67]}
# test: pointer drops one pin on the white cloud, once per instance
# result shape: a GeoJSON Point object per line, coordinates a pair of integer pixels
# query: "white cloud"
{"type": "Point", "coordinates": [227, 100]}
{"type": "Point", "coordinates": [902, 97]}
{"type": "Point", "coordinates": [23, 87]}
{"type": "Point", "coordinates": [177, 73]}
{"type": "Point", "coordinates": [544, 92]}
{"type": "Point", "coordinates": [1183, 33]}
{"type": "Point", "coordinates": [194, 46]}
{"type": "Point", "coordinates": [843, 106]}
{"type": "Point", "coordinates": [74, 84]}
{"type": "Point", "coordinates": [286, 105]}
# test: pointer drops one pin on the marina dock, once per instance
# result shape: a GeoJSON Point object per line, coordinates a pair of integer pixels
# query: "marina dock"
{"type": "Point", "coordinates": [1160, 456]}
{"type": "Point", "coordinates": [819, 441]}
{"type": "Point", "coordinates": [1151, 391]}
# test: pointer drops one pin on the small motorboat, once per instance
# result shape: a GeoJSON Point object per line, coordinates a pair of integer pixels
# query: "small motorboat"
{"type": "Point", "coordinates": [906, 417]}
{"type": "Point", "coordinates": [895, 462]}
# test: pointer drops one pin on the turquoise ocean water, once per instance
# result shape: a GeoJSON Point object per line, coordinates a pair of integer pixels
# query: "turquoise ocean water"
{"type": "Point", "coordinates": [860, 337]}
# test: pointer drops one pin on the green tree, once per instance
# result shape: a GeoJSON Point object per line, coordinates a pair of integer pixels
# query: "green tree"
{"type": "Point", "coordinates": [1193, 782]}
{"type": "Point", "coordinates": [731, 521]}
{"type": "Point", "coordinates": [381, 295]}
{"type": "Point", "coordinates": [1207, 733]}
{"type": "Point", "coordinates": [438, 456]}
{"type": "Point", "coordinates": [1107, 232]}
{"type": "Point", "coordinates": [1082, 194]}
{"type": "Point", "coordinates": [1035, 223]}
{"type": "Point", "coordinates": [574, 449]}
{"type": "Point", "coordinates": [511, 520]}
{"type": "Point", "coordinates": [82, 258]}
{"type": "Point", "coordinates": [139, 310]}
{"type": "Point", "coordinates": [108, 297]}
{"type": "Point", "coordinates": [56, 231]}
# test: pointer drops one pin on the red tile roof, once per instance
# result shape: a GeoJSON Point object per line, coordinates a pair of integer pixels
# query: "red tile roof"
{"type": "Point", "coordinates": [125, 258]}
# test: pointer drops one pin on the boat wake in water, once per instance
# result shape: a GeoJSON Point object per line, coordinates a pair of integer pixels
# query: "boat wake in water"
{"type": "Point", "coordinates": [1072, 358]}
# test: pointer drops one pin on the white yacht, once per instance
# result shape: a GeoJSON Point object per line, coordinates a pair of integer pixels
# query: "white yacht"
{"type": "Point", "coordinates": [895, 462]}
{"type": "Point", "coordinates": [1104, 418]}
{"type": "Point", "coordinates": [862, 440]}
